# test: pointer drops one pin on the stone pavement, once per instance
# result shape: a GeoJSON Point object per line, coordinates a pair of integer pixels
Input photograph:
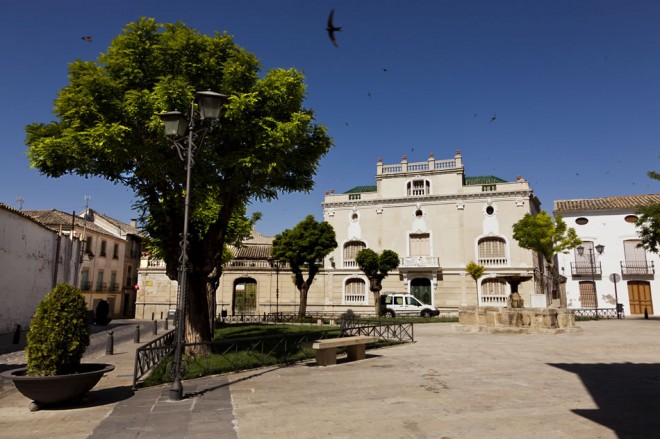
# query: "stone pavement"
{"type": "Point", "coordinates": [603, 382]}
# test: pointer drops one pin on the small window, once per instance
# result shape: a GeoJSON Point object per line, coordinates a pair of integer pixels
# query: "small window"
{"type": "Point", "coordinates": [354, 217]}
{"type": "Point", "coordinates": [490, 210]}
{"type": "Point", "coordinates": [581, 221]}
{"type": "Point", "coordinates": [103, 246]}
{"type": "Point", "coordinates": [419, 213]}
{"type": "Point", "coordinates": [354, 196]}
{"type": "Point", "coordinates": [631, 218]}
{"type": "Point", "coordinates": [115, 251]}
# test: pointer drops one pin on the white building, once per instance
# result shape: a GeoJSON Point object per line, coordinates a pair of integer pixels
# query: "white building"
{"type": "Point", "coordinates": [623, 272]}
{"type": "Point", "coordinates": [33, 259]}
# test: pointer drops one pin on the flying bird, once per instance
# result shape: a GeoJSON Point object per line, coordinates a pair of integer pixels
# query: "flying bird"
{"type": "Point", "coordinates": [87, 38]}
{"type": "Point", "coordinates": [493, 117]}
{"type": "Point", "coordinates": [332, 28]}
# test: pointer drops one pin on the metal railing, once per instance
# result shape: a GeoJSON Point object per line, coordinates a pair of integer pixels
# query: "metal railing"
{"type": "Point", "coordinates": [261, 349]}
{"type": "Point", "coordinates": [597, 313]}
{"type": "Point", "coordinates": [402, 332]}
{"type": "Point", "coordinates": [637, 267]}
{"type": "Point", "coordinates": [151, 354]}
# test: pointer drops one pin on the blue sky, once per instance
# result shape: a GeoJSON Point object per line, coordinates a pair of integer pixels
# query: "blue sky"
{"type": "Point", "coordinates": [574, 85]}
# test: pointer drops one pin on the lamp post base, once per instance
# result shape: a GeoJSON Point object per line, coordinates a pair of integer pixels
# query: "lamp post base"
{"type": "Point", "coordinates": [176, 391]}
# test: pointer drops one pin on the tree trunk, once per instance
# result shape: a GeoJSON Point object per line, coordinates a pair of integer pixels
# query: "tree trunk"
{"type": "Point", "coordinates": [302, 310]}
{"type": "Point", "coordinates": [376, 295]}
{"type": "Point", "coordinates": [198, 328]}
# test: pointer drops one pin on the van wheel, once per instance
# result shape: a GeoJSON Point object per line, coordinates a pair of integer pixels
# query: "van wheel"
{"type": "Point", "coordinates": [389, 313]}
{"type": "Point", "coordinates": [426, 313]}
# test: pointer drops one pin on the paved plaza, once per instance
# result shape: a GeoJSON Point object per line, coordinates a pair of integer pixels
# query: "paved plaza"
{"type": "Point", "coordinates": [602, 382]}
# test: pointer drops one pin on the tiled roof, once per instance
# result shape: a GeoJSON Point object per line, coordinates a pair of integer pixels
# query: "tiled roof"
{"type": "Point", "coordinates": [606, 203]}
{"type": "Point", "coordinates": [251, 251]}
{"type": "Point", "coordinates": [55, 218]}
{"type": "Point", "coordinates": [257, 246]}
{"type": "Point", "coordinates": [486, 179]}
{"type": "Point", "coordinates": [361, 189]}
{"type": "Point", "coordinates": [129, 229]}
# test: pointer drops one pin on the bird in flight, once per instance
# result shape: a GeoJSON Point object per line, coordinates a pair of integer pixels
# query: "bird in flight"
{"type": "Point", "coordinates": [332, 28]}
{"type": "Point", "coordinates": [87, 38]}
{"type": "Point", "coordinates": [493, 117]}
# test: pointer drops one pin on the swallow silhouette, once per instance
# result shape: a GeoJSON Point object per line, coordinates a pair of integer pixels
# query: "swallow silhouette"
{"type": "Point", "coordinates": [87, 38]}
{"type": "Point", "coordinates": [332, 28]}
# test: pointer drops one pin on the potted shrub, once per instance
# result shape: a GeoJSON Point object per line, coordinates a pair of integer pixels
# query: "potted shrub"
{"type": "Point", "coordinates": [56, 341]}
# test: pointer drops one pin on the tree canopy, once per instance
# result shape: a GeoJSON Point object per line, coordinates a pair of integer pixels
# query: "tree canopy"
{"type": "Point", "coordinates": [540, 233]}
{"type": "Point", "coordinates": [376, 267]}
{"type": "Point", "coordinates": [108, 126]}
{"type": "Point", "coordinates": [302, 247]}
{"type": "Point", "coordinates": [475, 271]}
{"type": "Point", "coordinates": [648, 224]}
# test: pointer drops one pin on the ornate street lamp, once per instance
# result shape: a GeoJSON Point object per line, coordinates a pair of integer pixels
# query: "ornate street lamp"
{"type": "Point", "coordinates": [177, 125]}
{"type": "Point", "coordinates": [276, 265]}
{"type": "Point", "coordinates": [592, 262]}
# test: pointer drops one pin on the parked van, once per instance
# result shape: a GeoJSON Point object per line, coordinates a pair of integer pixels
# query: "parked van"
{"type": "Point", "coordinates": [400, 304]}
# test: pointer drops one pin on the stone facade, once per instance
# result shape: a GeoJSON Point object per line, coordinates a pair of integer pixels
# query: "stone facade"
{"type": "Point", "coordinates": [434, 216]}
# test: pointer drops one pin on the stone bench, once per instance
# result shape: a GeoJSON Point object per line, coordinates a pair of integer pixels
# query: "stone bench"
{"type": "Point", "coordinates": [326, 350]}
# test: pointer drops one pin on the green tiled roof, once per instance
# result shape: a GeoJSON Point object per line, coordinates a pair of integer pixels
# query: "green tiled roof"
{"type": "Point", "coordinates": [486, 179]}
{"type": "Point", "coordinates": [361, 189]}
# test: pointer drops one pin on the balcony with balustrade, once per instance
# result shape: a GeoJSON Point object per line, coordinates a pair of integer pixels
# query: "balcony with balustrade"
{"type": "Point", "coordinates": [419, 262]}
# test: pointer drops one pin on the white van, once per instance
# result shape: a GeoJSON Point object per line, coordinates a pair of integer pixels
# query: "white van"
{"type": "Point", "coordinates": [400, 304]}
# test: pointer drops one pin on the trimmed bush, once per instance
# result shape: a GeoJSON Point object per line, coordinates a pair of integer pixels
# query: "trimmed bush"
{"type": "Point", "coordinates": [58, 334]}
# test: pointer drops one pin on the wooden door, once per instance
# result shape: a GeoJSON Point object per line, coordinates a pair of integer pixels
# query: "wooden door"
{"type": "Point", "coordinates": [639, 294]}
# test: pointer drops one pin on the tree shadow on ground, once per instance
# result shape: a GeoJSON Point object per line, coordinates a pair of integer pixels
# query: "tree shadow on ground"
{"type": "Point", "coordinates": [627, 395]}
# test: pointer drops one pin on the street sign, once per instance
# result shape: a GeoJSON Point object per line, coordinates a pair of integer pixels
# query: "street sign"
{"type": "Point", "coordinates": [614, 277]}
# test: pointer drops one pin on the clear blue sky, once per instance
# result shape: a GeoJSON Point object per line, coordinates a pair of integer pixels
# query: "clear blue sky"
{"type": "Point", "coordinates": [574, 85]}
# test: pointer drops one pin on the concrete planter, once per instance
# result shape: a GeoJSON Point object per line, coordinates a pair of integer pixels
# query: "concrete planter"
{"type": "Point", "coordinates": [59, 388]}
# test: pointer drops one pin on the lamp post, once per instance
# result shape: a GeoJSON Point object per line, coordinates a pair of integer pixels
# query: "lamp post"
{"type": "Point", "coordinates": [276, 265]}
{"type": "Point", "coordinates": [592, 263]}
{"type": "Point", "coordinates": [181, 132]}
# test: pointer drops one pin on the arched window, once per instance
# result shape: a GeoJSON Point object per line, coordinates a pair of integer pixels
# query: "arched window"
{"type": "Point", "coordinates": [351, 248]}
{"type": "Point", "coordinates": [417, 188]}
{"type": "Point", "coordinates": [493, 291]}
{"type": "Point", "coordinates": [355, 291]}
{"type": "Point", "coordinates": [492, 252]}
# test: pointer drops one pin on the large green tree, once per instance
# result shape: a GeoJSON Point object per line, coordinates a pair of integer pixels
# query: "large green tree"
{"type": "Point", "coordinates": [302, 247]}
{"type": "Point", "coordinates": [376, 267]}
{"type": "Point", "coordinates": [540, 233]}
{"type": "Point", "coordinates": [108, 126]}
{"type": "Point", "coordinates": [648, 224]}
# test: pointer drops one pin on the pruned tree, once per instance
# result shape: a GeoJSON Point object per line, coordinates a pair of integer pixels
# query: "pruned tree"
{"type": "Point", "coordinates": [376, 267]}
{"type": "Point", "coordinates": [548, 238]}
{"type": "Point", "coordinates": [475, 271]}
{"type": "Point", "coordinates": [302, 247]}
{"type": "Point", "coordinates": [648, 224]}
{"type": "Point", "coordinates": [108, 126]}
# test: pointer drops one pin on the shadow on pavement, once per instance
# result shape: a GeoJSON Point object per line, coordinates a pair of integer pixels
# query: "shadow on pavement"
{"type": "Point", "coordinates": [627, 395]}
{"type": "Point", "coordinates": [93, 398]}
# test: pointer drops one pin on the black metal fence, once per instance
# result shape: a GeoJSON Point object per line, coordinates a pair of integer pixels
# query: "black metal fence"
{"type": "Point", "coordinates": [151, 354]}
{"type": "Point", "coordinates": [233, 354]}
{"type": "Point", "coordinates": [597, 313]}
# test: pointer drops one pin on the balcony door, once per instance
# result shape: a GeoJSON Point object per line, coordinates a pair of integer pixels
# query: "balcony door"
{"type": "Point", "coordinates": [420, 244]}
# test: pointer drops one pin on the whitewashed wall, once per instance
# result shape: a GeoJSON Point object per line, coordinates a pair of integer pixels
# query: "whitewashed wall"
{"type": "Point", "coordinates": [27, 266]}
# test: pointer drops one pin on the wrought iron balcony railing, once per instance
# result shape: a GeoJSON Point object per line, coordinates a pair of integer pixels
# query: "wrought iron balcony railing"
{"type": "Point", "coordinates": [585, 269]}
{"type": "Point", "coordinates": [637, 267]}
